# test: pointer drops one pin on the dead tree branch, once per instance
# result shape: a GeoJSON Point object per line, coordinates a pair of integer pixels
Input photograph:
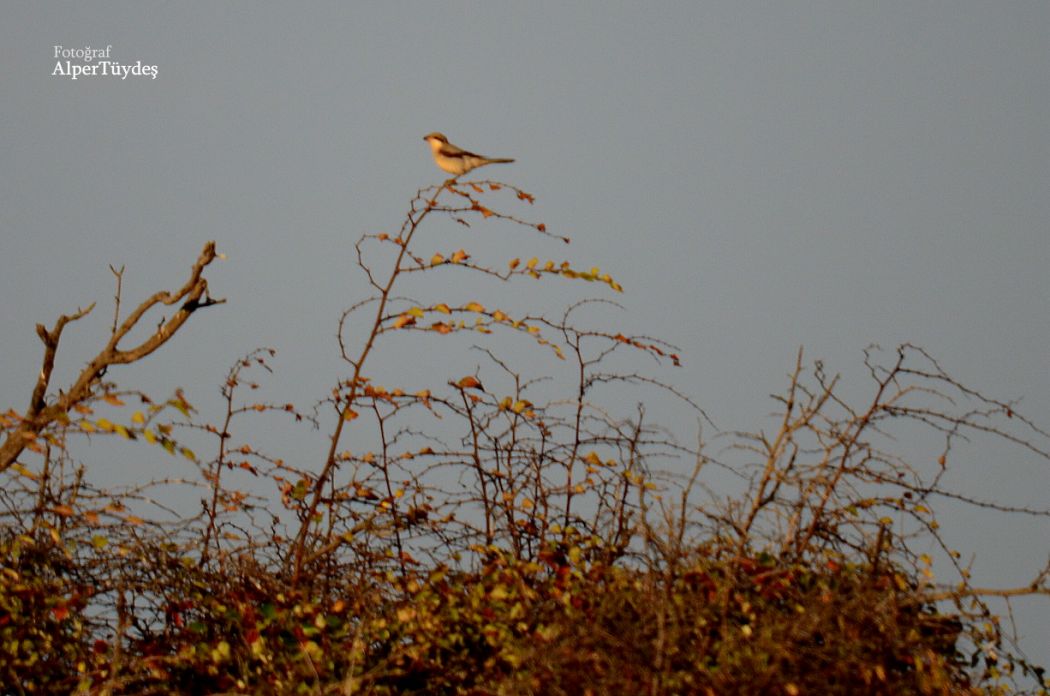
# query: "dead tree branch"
{"type": "Point", "coordinates": [192, 295]}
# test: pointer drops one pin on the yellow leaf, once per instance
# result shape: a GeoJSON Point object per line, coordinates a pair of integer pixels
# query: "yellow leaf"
{"type": "Point", "coordinates": [499, 316]}
{"type": "Point", "coordinates": [514, 263]}
{"type": "Point", "coordinates": [86, 426]}
{"type": "Point", "coordinates": [437, 260]}
{"type": "Point", "coordinates": [549, 266]}
{"type": "Point", "coordinates": [460, 256]}
{"type": "Point", "coordinates": [24, 471]}
{"type": "Point", "coordinates": [150, 437]}
{"type": "Point", "coordinates": [532, 263]}
{"type": "Point", "coordinates": [188, 453]}
{"type": "Point", "coordinates": [104, 424]}
{"type": "Point", "coordinates": [474, 307]}
{"type": "Point", "coordinates": [138, 418]}
{"type": "Point", "coordinates": [349, 414]}
{"type": "Point", "coordinates": [403, 321]}
{"type": "Point", "coordinates": [415, 312]}
{"type": "Point", "coordinates": [443, 308]}
{"type": "Point", "coordinates": [112, 400]}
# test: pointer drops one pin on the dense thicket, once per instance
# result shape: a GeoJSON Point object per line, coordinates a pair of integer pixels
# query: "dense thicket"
{"type": "Point", "coordinates": [492, 533]}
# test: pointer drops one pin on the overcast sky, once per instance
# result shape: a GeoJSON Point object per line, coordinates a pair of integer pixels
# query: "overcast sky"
{"type": "Point", "coordinates": [757, 175]}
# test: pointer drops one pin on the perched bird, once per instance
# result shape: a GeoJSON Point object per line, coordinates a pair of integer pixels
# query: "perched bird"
{"type": "Point", "coordinates": [454, 160]}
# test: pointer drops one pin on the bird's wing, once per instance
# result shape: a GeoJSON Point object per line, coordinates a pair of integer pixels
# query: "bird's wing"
{"type": "Point", "coordinates": [450, 150]}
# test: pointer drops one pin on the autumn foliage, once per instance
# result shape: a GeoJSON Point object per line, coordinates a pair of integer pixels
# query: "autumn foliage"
{"type": "Point", "coordinates": [491, 532]}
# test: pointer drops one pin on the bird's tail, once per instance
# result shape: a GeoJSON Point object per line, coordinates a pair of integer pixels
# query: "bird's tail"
{"type": "Point", "coordinates": [500, 160]}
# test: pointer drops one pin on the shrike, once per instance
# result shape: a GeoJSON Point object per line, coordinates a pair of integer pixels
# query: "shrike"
{"type": "Point", "coordinates": [454, 160]}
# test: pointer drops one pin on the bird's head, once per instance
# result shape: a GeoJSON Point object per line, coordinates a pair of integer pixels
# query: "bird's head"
{"type": "Point", "coordinates": [435, 137]}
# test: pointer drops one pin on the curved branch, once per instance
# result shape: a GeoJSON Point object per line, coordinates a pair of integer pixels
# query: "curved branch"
{"type": "Point", "coordinates": [193, 295]}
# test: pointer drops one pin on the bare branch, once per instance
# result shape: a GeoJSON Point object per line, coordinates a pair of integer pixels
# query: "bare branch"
{"type": "Point", "coordinates": [193, 295]}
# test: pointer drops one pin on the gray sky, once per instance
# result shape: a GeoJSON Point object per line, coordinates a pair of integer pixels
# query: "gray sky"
{"type": "Point", "coordinates": [757, 175]}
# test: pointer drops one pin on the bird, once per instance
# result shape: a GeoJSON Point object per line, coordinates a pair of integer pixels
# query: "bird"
{"type": "Point", "coordinates": [455, 160]}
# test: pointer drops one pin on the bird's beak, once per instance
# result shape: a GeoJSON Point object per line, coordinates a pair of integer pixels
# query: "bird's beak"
{"type": "Point", "coordinates": [424, 137]}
